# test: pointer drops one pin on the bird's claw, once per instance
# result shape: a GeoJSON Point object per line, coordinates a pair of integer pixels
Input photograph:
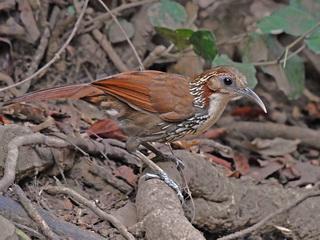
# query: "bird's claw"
{"type": "Point", "coordinates": [177, 161]}
{"type": "Point", "coordinates": [164, 177]}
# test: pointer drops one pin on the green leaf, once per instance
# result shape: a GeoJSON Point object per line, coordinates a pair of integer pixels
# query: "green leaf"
{"type": "Point", "coordinates": [313, 41]}
{"type": "Point", "coordinates": [295, 73]}
{"type": "Point", "coordinates": [291, 19]}
{"type": "Point", "coordinates": [246, 68]}
{"type": "Point", "coordinates": [289, 79]}
{"type": "Point", "coordinates": [204, 44]}
{"type": "Point", "coordinates": [71, 10]}
{"type": "Point", "coordinates": [179, 37]}
{"type": "Point", "coordinates": [255, 49]}
{"type": "Point", "coordinates": [311, 6]}
{"type": "Point", "coordinates": [168, 14]}
{"type": "Point", "coordinates": [203, 41]}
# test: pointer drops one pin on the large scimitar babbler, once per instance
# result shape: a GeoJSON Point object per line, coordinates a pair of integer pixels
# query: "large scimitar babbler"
{"type": "Point", "coordinates": [154, 106]}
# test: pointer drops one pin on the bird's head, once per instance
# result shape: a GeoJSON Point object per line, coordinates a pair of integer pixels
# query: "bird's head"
{"type": "Point", "coordinates": [228, 81]}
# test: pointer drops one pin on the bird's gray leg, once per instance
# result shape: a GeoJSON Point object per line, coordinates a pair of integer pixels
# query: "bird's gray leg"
{"type": "Point", "coordinates": [132, 146]}
{"type": "Point", "coordinates": [160, 155]}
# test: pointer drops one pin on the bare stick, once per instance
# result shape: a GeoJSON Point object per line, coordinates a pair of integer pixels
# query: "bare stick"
{"type": "Point", "coordinates": [124, 33]}
{"type": "Point", "coordinates": [112, 54]}
{"type": "Point", "coordinates": [8, 80]}
{"type": "Point", "coordinates": [31, 231]}
{"type": "Point", "coordinates": [275, 62]}
{"type": "Point", "coordinates": [299, 39]}
{"type": "Point", "coordinates": [153, 56]}
{"type": "Point", "coordinates": [281, 60]}
{"type": "Point", "coordinates": [26, 203]}
{"type": "Point", "coordinates": [37, 58]}
{"type": "Point", "coordinates": [105, 16]}
{"type": "Point", "coordinates": [114, 221]}
{"type": "Point", "coordinates": [57, 55]}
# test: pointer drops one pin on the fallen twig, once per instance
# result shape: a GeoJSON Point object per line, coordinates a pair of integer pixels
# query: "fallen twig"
{"type": "Point", "coordinates": [103, 17]}
{"type": "Point", "coordinates": [124, 33]}
{"type": "Point", "coordinates": [13, 211]}
{"type": "Point", "coordinates": [37, 58]}
{"type": "Point", "coordinates": [114, 221]}
{"type": "Point", "coordinates": [29, 230]}
{"type": "Point", "coordinates": [33, 213]}
{"type": "Point", "coordinates": [112, 54]}
{"type": "Point", "coordinates": [154, 55]}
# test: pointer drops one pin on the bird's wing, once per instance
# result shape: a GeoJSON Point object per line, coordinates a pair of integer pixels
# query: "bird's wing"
{"type": "Point", "coordinates": [152, 91]}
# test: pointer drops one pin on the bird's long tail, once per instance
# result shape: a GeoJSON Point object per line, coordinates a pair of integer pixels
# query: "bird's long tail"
{"type": "Point", "coordinates": [72, 92]}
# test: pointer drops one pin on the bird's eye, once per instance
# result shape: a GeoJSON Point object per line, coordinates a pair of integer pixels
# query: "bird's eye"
{"type": "Point", "coordinates": [227, 81]}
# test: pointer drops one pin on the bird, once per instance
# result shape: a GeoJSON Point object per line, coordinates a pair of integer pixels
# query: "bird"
{"type": "Point", "coordinates": [155, 106]}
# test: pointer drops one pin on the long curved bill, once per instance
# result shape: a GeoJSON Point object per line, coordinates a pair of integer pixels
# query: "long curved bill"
{"type": "Point", "coordinates": [247, 92]}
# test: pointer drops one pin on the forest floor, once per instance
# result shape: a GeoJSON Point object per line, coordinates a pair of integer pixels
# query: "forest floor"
{"type": "Point", "coordinates": [74, 175]}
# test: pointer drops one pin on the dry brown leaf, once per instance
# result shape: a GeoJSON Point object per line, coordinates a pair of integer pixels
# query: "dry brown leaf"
{"type": "Point", "coordinates": [7, 4]}
{"type": "Point", "coordinates": [127, 174]}
{"type": "Point", "coordinates": [267, 169]}
{"type": "Point", "coordinates": [25, 112]}
{"type": "Point", "coordinates": [234, 174]}
{"type": "Point", "coordinates": [274, 147]}
{"type": "Point", "coordinates": [215, 133]}
{"type": "Point", "coordinates": [11, 28]}
{"type": "Point", "coordinates": [185, 144]}
{"type": "Point", "coordinates": [249, 112]}
{"type": "Point", "coordinates": [106, 128]}
{"type": "Point", "coordinates": [28, 21]}
{"type": "Point", "coordinates": [218, 160]}
{"type": "Point", "coordinates": [188, 66]}
{"type": "Point", "coordinates": [309, 174]}
{"type": "Point", "coordinates": [116, 35]}
{"type": "Point", "coordinates": [90, 51]}
{"type": "Point", "coordinates": [241, 163]}
{"type": "Point", "coordinates": [67, 204]}
{"type": "Point", "coordinates": [313, 110]}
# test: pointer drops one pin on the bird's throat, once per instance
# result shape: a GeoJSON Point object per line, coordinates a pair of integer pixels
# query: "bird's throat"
{"type": "Point", "coordinates": [216, 106]}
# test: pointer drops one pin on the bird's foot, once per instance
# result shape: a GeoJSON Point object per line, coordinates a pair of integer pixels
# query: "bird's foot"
{"type": "Point", "coordinates": [164, 177]}
{"type": "Point", "coordinates": [159, 174]}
